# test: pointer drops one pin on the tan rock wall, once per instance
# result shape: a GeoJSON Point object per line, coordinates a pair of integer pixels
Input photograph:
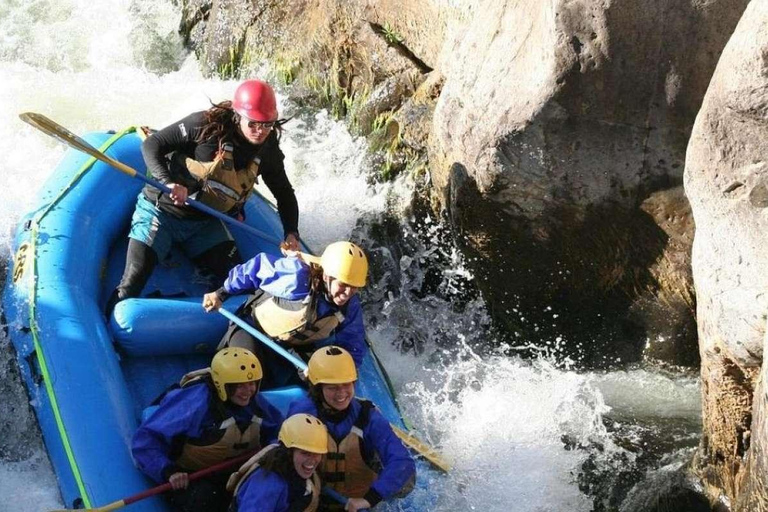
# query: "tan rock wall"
{"type": "Point", "coordinates": [725, 180]}
{"type": "Point", "coordinates": [559, 120]}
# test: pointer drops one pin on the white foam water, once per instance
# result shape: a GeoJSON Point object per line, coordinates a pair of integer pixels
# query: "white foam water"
{"type": "Point", "coordinates": [501, 420]}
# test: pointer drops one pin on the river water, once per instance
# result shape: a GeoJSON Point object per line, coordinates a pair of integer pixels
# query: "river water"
{"type": "Point", "coordinates": [532, 434]}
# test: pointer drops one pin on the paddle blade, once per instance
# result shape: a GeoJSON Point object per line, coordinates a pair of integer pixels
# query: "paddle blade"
{"type": "Point", "coordinates": [55, 130]}
{"type": "Point", "coordinates": [106, 508]}
{"type": "Point", "coordinates": [422, 449]}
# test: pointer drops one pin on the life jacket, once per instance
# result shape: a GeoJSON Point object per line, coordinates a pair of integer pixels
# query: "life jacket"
{"type": "Point", "coordinates": [293, 322]}
{"type": "Point", "coordinates": [343, 467]}
{"type": "Point", "coordinates": [237, 478]}
{"type": "Point", "coordinates": [215, 445]}
{"type": "Point", "coordinates": [223, 187]}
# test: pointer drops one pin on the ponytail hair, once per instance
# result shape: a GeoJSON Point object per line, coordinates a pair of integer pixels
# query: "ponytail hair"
{"type": "Point", "coordinates": [279, 460]}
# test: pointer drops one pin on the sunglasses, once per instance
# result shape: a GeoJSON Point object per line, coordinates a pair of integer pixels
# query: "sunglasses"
{"type": "Point", "coordinates": [264, 125]}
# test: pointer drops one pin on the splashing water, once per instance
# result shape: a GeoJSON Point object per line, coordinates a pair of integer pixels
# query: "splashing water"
{"type": "Point", "coordinates": [518, 431]}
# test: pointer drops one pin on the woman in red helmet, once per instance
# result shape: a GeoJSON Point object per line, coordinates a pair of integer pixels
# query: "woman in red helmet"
{"type": "Point", "coordinates": [215, 157]}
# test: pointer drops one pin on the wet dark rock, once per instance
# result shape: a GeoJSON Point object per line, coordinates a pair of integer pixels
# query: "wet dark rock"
{"type": "Point", "coordinates": [19, 434]}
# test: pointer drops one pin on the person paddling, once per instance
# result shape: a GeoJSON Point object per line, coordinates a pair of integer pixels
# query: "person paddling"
{"type": "Point", "coordinates": [214, 415]}
{"type": "Point", "coordinates": [366, 461]}
{"type": "Point", "coordinates": [215, 157]}
{"type": "Point", "coordinates": [303, 301]}
{"type": "Point", "coordinates": [282, 477]}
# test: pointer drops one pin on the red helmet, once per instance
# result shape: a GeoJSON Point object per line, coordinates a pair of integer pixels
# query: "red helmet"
{"type": "Point", "coordinates": [255, 100]}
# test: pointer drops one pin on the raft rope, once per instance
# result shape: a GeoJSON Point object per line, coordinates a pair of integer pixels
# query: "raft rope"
{"type": "Point", "coordinates": [33, 309]}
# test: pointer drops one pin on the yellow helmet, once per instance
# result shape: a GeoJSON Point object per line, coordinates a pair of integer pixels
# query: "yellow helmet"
{"type": "Point", "coordinates": [305, 432]}
{"type": "Point", "coordinates": [331, 365]}
{"type": "Point", "coordinates": [346, 262]}
{"type": "Point", "coordinates": [234, 366]}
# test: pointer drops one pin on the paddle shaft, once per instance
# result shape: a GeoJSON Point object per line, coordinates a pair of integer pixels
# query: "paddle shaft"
{"type": "Point", "coordinates": [167, 486]}
{"type": "Point", "coordinates": [60, 133]}
{"type": "Point", "coordinates": [298, 363]}
{"type": "Point", "coordinates": [333, 494]}
{"type": "Point", "coordinates": [411, 441]}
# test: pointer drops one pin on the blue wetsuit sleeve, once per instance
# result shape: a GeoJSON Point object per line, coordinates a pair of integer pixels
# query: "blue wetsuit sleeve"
{"type": "Point", "coordinates": [282, 277]}
{"type": "Point", "coordinates": [263, 491]}
{"type": "Point", "coordinates": [180, 414]}
{"type": "Point", "coordinates": [271, 420]}
{"type": "Point", "coordinates": [303, 405]}
{"type": "Point", "coordinates": [244, 277]}
{"type": "Point", "coordinates": [350, 334]}
{"type": "Point", "coordinates": [398, 466]}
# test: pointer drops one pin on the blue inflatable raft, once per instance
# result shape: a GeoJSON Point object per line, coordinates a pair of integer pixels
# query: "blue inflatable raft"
{"type": "Point", "coordinates": [90, 381]}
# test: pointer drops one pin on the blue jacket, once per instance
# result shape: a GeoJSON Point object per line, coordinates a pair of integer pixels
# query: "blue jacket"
{"type": "Point", "coordinates": [378, 439]}
{"type": "Point", "coordinates": [266, 491]}
{"type": "Point", "coordinates": [185, 413]}
{"type": "Point", "coordinates": [289, 278]}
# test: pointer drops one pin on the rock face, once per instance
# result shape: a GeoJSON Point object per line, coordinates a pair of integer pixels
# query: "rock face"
{"type": "Point", "coordinates": [754, 491]}
{"type": "Point", "coordinates": [556, 123]}
{"type": "Point", "coordinates": [726, 180]}
{"type": "Point", "coordinates": [555, 136]}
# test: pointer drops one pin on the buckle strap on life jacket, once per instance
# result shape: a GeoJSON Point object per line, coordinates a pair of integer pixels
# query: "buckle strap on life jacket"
{"type": "Point", "coordinates": [353, 475]}
{"type": "Point", "coordinates": [222, 186]}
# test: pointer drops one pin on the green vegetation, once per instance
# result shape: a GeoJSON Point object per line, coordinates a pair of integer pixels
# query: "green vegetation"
{"type": "Point", "coordinates": [333, 83]}
{"type": "Point", "coordinates": [287, 69]}
{"type": "Point", "coordinates": [230, 68]}
{"type": "Point", "coordinates": [386, 138]}
{"type": "Point", "coordinates": [390, 35]}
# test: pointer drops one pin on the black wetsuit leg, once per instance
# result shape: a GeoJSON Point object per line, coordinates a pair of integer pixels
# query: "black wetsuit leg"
{"type": "Point", "coordinates": [140, 261]}
{"type": "Point", "coordinates": [216, 262]}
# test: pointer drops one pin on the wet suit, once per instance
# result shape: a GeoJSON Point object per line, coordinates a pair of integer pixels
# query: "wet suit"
{"type": "Point", "coordinates": [382, 452]}
{"type": "Point", "coordinates": [193, 417]}
{"type": "Point", "coordinates": [289, 278]}
{"type": "Point", "coordinates": [280, 489]}
{"type": "Point", "coordinates": [157, 223]}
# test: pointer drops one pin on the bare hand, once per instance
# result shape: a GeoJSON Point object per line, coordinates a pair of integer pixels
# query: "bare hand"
{"type": "Point", "coordinates": [355, 504]}
{"type": "Point", "coordinates": [179, 481]}
{"type": "Point", "coordinates": [211, 302]}
{"type": "Point", "coordinates": [291, 243]}
{"type": "Point", "coordinates": [178, 193]}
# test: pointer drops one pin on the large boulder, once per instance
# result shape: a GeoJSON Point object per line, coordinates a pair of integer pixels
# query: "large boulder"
{"type": "Point", "coordinates": [726, 180]}
{"type": "Point", "coordinates": [556, 122]}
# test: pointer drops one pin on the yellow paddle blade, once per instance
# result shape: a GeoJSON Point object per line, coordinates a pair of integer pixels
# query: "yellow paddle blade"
{"type": "Point", "coordinates": [106, 508]}
{"type": "Point", "coordinates": [60, 133]}
{"type": "Point", "coordinates": [422, 449]}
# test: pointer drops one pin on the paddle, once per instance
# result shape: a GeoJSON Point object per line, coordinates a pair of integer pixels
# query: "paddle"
{"type": "Point", "coordinates": [167, 486]}
{"type": "Point", "coordinates": [334, 495]}
{"type": "Point", "coordinates": [412, 442]}
{"type": "Point", "coordinates": [57, 131]}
